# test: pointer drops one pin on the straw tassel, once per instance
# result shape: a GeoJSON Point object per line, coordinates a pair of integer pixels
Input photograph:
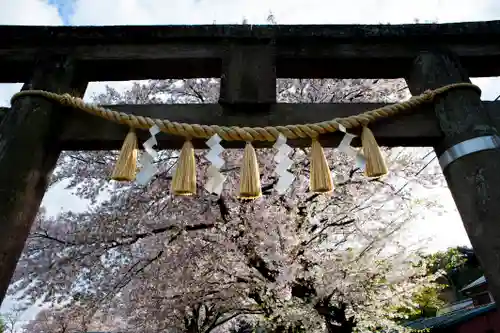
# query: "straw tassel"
{"type": "Point", "coordinates": [320, 178]}
{"type": "Point", "coordinates": [375, 163]}
{"type": "Point", "coordinates": [250, 176]}
{"type": "Point", "coordinates": [184, 181]}
{"type": "Point", "coordinates": [126, 164]}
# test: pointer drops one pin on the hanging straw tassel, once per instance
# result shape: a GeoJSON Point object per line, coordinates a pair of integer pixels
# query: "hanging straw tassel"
{"type": "Point", "coordinates": [320, 178]}
{"type": "Point", "coordinates": [375, 163]}
{"type": "Point", "coordinates": [126, 165]}
{"type": "Point", "coordinates": [250, 177]}
{"type": "Point", "coordinates": [184, 181]}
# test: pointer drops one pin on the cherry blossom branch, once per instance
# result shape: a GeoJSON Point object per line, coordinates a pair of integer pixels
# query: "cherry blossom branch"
{"type": "Point", "coordinates": [74, 157]}
{"type": "Point", "coordinates": [129, 275]}
{"type": "Point", "coordinates": [232, 316]}
{"type": "Point", "coordinates": [45, 235]}
{"type": "Point", "coordinates": [131, 238]}
{"type": "Point", "coordinates": [338, 223]}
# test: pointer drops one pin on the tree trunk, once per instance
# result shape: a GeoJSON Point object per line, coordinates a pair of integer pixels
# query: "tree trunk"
{"type": "Point", "coordinates": [335, 317]}
{"type": "Point", "coordinates": [193, 328]}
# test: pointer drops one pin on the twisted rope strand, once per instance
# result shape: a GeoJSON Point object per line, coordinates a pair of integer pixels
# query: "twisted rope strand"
{"type": "Point", "coordinates": [236, 133]}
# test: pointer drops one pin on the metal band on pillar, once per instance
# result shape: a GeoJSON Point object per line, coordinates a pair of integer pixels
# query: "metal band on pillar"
{"type": "Point", "coordinates": [467, 147]}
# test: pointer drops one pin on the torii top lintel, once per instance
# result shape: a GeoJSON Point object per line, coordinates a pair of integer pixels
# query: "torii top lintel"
{"type": "Point", "coordinates": [302, 51]}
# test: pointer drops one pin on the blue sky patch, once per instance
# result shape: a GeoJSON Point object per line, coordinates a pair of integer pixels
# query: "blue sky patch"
{"type": "Point", "coordinates": [65, 8]}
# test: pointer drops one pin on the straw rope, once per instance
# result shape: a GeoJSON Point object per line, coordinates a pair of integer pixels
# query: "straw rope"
{"type": "Point", "coordinates": [236, 133]}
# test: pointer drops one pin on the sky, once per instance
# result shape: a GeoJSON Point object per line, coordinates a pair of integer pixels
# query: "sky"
{"type": "Point", "coordinates": [446, 229]}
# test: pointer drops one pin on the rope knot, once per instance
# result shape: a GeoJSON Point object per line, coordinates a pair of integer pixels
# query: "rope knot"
{"type": "Point", "coordinates": [429, 95]}
{"type": "Point", "coordinates": [66, 99]}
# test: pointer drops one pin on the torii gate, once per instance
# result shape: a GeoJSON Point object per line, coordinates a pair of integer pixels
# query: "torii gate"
{"type": "Point", "coordinates": [248, 59]}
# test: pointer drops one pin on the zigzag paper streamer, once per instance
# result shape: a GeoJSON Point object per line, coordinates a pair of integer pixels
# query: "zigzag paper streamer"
{"type": "Point", "coordinates": [148, 168]}
{"type": "Point", "coordinates": [215, 179]}
{"type": "Point", "coordinates": [286, 178]}
{"type": "Point", "coordinates": [345, 147]}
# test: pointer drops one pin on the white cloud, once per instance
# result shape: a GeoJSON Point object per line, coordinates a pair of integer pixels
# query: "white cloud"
{"type": "Point", "coordinates": [98, 12]}
{"type": "Point", "coordinates": [490, 87]}
{"type": "Point", "coordinates": [28, 12]}
{"type": "Point", "coordinates": [6, 92]}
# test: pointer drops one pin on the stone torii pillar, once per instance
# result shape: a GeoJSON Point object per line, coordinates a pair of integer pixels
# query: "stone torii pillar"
{"type": "Point", "coordinates": [29, 149]}
{"type": "Point", "coordinates": [473, 178]}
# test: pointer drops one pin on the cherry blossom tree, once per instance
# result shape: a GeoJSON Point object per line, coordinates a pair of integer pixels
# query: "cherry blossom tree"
{"type": "Point", "coordinates": [297, 261]}
{"type": "Point", "coordinates": [11, 320]}
{"type": "Point", "coordinates": [55, 321]}
{"type": "Point", "coordinates": [71, 320]}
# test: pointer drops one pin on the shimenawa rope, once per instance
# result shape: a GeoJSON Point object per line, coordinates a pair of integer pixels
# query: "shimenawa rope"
{"type": "Point", "coordinates": [236, 133]}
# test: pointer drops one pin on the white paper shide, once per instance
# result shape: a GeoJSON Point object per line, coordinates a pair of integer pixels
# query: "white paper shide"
{"type": "Point", "coordinates": [215, 179]}
{"type": "Point", "coordinates": [345, 147]}
{"type": "Point", "coordinates": [148, 169]}
{"type": "Point", "coordinates": [286, 178]}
